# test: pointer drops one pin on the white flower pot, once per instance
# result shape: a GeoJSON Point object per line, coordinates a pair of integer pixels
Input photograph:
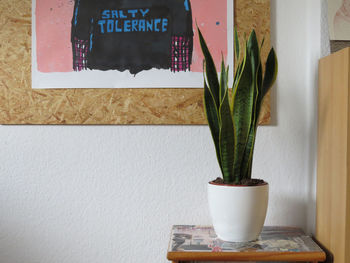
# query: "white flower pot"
{"type": "Point", "coordinates": [238, 212]}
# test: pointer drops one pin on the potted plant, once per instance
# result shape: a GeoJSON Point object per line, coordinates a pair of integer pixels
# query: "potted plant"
{"type": "Point", "coordinates": [237, 203]}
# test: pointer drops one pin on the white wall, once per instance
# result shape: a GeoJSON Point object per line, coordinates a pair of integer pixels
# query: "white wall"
{"type": "Point", "coordinates": [325, 35]}
{"type": "Point", "coordinates": [111, 193]}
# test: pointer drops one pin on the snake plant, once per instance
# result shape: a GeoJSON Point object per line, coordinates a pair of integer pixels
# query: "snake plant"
{"type": "Point", "coordinates": [233, 116]}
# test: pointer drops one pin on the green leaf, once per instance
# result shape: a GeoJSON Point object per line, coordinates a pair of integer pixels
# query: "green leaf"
{"type": "Point", "coordinates": [259, 80]}
{"type": "Point", "coordinates": [223, 79]}
{"type": "Point", "coordinates": [250, 167]}
{"type": "Point", "coordinates": [235, 81]}
{"type": "Point", "coordinates": [271, 70]}
{"type": "Point", "coordinates": [237, 45]}
{"type": "Point", "coordinates": [249, 149]}
{"type": "Point", "coordinates": [262, 43]}
{"type": "Point", "coordinates": [259, 97]}
{"type": "Point", "coordinates": [227, 139]}
{"type": "Point", "coordinates": [248, 154]}
{"type": "Point", "coordinates": [254, 52]}
{"type": "Point", "coordinates": [237, 75]}
{"type": "Point", "coordinates": [210, 69]}
{"type": "Point", "coordinates": [213, 120]}
{"type": "Point", "coordinates": [243, 112]}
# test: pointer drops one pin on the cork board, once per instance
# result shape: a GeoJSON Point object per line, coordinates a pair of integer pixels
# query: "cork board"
{"type": "Point", "coordinates": [19, 104]}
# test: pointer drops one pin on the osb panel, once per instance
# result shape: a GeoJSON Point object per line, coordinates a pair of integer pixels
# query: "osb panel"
{"type": "Point", "coordinates": [19, 104]}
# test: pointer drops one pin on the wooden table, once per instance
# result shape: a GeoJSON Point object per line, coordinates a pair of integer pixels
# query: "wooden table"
{"type": "Point", "coordinates": [199, 243]}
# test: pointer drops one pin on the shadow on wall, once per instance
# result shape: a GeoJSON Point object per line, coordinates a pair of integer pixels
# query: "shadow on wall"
{"type": "Point", "coordinates": [301, 109]}
{"type": "Point", "coordinates": [274, 90]}
{"type": "Point", "coordinates": [294, 210]}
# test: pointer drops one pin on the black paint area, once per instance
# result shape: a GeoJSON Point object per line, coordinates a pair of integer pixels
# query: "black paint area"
{"type": "Point", "coordinates": [132, 35]}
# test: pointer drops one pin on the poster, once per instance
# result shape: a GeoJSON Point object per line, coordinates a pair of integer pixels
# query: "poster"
{"type": "Point", "coordinates": [339, 19]}
{"type": "Point", "coordinates": [127, 43]}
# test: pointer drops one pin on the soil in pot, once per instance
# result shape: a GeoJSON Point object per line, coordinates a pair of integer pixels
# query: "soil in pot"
{"type": "Point", "coordinates": [244, 182]}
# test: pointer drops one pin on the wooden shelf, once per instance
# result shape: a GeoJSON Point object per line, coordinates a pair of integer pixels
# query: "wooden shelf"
{"type": "Point", "coordinates": [199, 243]}
{"type": "Point", "coordinates": [333, 184]}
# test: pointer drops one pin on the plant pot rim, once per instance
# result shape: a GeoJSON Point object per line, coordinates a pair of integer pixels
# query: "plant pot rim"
{"type": "Point", "coordinates": [237, 185]}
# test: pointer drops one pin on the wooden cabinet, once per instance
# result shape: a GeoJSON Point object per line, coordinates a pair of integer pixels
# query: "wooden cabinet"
{"type": "Point", "coordinates": [333, 174]}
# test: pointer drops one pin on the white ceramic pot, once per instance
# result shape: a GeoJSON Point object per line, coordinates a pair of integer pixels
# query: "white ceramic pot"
{"type": "Point", "coordinates": [238, 212]}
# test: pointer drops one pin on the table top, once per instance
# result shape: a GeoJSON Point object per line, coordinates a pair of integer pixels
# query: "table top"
{"type": "Point", "coordinates": [189, 242]}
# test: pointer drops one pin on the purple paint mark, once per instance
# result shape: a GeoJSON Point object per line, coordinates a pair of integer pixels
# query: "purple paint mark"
{"type": "Point", "coordinates": [180, 54]}
{"type": "Point", "coordinates": [81, 50]}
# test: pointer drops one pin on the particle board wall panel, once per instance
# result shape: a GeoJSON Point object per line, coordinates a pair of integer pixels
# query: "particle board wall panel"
{"type": "Point", "coordinates": [333, 198]}
{"type": "Point", "coordinates": [19, 104]}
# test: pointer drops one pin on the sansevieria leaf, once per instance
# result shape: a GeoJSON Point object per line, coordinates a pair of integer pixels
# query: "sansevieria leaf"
{"type": "Point", "coordinates": [213, 119]}
{"type": "Point", "coordinates": [249, 149]}
{"type": "Point", "coordinates": [210, 69]}
{"type": "Point", "coordinates": [271, 70]}
{"type": "Point", "coordinates": [260, 96]}
{"type": "Point", "coordinates": [226, 139]}
{"type": "Point", "coordinates": [237, 45]}
{"type": "Point", "coordinates": [254, 52]}
{"type": "Point", "coordinates": [237, 77]}
{"type": "Point", "coordinates": [242, 113]}
{"type": "Point", "coordinates": [223, 80]}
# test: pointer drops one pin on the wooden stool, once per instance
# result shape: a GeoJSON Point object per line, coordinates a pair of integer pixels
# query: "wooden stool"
{"type": "Point", "coordinates": [199, 243]}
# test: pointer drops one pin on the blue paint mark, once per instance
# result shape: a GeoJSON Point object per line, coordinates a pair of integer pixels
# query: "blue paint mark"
{"type": "Point", "coordinates": [76, 14]}
{"type": "Point", "coordinates": [217, 23]}
{"type": "Point", "coordinates": [187, 6]}
{"type": "Point", "coordinates": [91, 35]}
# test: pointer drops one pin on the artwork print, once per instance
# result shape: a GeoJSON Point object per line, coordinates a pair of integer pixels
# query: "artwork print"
{"type": "Point", "coordinates": [122, 36]}
{"type": "Point", "coordinates": [127, 43]}
{"type": "Point", "coordinates": [339, 19]}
